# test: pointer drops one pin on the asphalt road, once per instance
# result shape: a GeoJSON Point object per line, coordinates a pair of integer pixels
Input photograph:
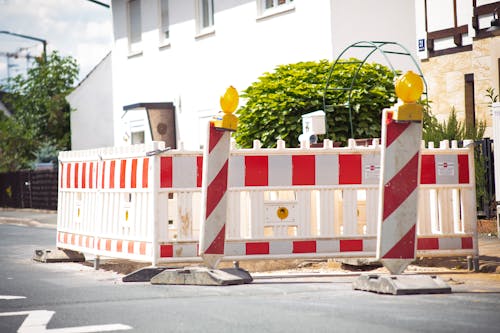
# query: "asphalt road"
{"type": "Point", "coordinates": [75, 298]}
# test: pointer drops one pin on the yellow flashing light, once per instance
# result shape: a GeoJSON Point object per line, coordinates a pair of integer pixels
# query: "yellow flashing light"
{"type": "Point", "coordinates": [408, 88]}
{"type": "Point", "coordinates": [229, 102]}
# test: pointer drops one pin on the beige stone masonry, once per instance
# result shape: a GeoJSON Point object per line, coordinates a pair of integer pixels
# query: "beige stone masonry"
{"type": "Point", "coordinates": [445, 76]}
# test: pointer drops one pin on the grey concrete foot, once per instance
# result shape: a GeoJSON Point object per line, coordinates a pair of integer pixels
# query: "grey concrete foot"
{"type": "Point", "coordinates": [143, 274]}
{"type": "Point", "coordinates": [201, 276]}
{"type": "Point", "coordinates": [57, 255]}
{"type": "Point", "coordinates": [401, 284]}
{"type": "Point", "coordinates": [240, 272]}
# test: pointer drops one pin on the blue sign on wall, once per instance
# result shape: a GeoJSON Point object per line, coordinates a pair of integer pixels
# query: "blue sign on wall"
{"type": "Point", "coordinates": [421, 45]}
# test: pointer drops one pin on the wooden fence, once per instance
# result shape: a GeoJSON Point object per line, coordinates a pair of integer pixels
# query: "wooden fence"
{"type": "Point", "coordinates": [29, 189]}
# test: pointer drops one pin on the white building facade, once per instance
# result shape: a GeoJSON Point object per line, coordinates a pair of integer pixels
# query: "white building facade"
{"type": "Point", "coordinates": [182, 55]}
{"type": "Point", "coordinates": [92, 116]}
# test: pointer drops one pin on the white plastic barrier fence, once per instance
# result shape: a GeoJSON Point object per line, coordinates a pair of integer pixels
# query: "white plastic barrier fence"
{"type": "Point", "coordinates": [283, 202]}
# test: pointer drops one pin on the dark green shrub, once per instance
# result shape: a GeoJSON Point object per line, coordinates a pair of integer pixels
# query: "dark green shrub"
{"type": "Point", "coordinates": [276, 102]}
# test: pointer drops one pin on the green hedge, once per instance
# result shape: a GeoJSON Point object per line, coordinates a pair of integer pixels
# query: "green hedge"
{"type": "Point", "coordinates": [276, 102]}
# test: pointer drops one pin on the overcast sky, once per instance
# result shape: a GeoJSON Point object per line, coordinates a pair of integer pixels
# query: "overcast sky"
{"type": "Point", "coordinates": [77, 28]}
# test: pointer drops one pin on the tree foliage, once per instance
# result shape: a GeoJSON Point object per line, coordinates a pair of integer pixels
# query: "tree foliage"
{"type": "Point", "coordinates": [276, 102]}
{"type": "Point", "coordinates": [41, 115]}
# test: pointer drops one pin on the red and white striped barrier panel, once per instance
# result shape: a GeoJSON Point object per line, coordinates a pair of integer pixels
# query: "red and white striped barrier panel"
{"type": "Point", "coordinates": [214, 204]}
{"type": "Point", "coordinates": [398, 210]}
{"type": "Point", "coordinates": [293, 194]}
{"type": "Point", "coordinates": [312, 248]}
{"type": "Point", "coordinates": [105, 201]}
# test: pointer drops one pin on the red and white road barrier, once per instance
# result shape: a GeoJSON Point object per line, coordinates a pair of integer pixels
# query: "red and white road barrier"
{"type": "Point", "coordinates": [121, 203]}
{"type": "Point", "coordinates": [398, 208]}
{"type": "Point", "coordinates": [214, 198]}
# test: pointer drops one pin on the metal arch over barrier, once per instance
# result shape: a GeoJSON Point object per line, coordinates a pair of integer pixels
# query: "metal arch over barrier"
{"type": "Point", "coordinates": [384, 48]}
{"type": "Point", "coordinates": [119, 202]}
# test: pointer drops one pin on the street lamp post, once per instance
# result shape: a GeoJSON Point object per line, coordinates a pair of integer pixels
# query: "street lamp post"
{"type": "Point", "coordinates": [43, 41]}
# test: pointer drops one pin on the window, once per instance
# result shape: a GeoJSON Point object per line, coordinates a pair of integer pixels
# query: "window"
{"type": "Point", "coordinates": [470, 113]}
{"type": "Point", "coordinates": [134, 26]}
{"type": "Point", "coordinates": [275, 3]}
{"type": "Point", "coordinates": [138, 137]}
{"type": "Point", "coordinates": [205, 16]}
{"type": "Point", "coordinates": [164, 22]}
{"type": "Point", "coordinates": [271, 7]}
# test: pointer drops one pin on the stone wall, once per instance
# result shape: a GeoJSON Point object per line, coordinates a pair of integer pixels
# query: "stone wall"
{"type": "Point", "coordinates": [446, 83]}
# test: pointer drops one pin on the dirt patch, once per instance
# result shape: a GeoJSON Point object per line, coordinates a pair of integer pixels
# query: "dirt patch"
{"type": "Point", "coordinates": [487, 227]}
{"type": "Point", "coordinates": [489, 262]}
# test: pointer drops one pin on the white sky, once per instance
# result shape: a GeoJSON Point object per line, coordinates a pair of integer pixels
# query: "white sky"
{"type": "Point", "coordinates": [77, 28]}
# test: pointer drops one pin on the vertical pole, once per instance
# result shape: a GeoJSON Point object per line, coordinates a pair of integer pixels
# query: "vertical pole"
{"type": "Point", "coordinates": [473, 217]}
{"type": "Point", "coordinates": [153, 209]}
{"type": "Point", "coordinates": [495, 111]}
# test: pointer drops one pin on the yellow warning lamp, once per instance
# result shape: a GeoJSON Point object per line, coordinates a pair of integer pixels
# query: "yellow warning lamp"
{"type": "Point", "coordinates": [408, 88]}
{"type": "Point", "coordinates": [229, 102]}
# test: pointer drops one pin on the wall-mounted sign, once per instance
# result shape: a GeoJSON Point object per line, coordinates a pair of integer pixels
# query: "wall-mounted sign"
{"type": "Point", "coordinates": [421, 45]}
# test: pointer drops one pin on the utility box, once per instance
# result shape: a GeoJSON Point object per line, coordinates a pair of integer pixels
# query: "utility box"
{"type": "Point", "coordinates": [314, 122]}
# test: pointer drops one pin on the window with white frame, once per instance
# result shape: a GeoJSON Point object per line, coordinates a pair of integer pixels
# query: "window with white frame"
{"type": "Point", "coordinates": [275, 3]}
{"type": "Point", "coordinates": [205, 16]}
{"type": "Point", "coordinates": [270, 7]}
{"type": "Point", "coordinates": [134, 26]}
{"type": "Point", "coordinates": [164, 21]}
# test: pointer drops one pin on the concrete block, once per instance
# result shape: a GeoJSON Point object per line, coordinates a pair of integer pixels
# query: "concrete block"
{"type": "Point", "coordinates": [240, 272]}
{"type": "Point", "coordinates": [58, 255]}
{"type": "Point", "coordinates": [401, 284]}
{"type": "Point", "coordinates": [144, 274]}
{"type": "Point", "coordinates": [201, 276]}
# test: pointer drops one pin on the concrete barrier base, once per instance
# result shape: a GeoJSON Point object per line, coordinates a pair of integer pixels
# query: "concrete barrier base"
{"type": "Point", "coordinates": [144, 274]}
{"type": "Point", "coordinates": [202, 276]}
{"type": "Point", "coordinates": [57, 255]}
{"type": "Point", "coordinates": [401, 284]}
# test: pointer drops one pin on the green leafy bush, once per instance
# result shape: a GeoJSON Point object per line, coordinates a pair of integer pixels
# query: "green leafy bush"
{"type": "Point", "coordinates": [276, 102]}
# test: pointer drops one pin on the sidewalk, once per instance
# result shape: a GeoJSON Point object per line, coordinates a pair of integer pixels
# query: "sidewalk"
{"type": "Point", "coordinates": [32, 217]}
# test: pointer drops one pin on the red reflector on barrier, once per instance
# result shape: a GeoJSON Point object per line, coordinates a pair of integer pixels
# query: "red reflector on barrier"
{"type": "Point", "coordinates": [303, 169]}
{"type": "Point", "coordinates": [166, 251]}
{"type": "Point", "coordinates": [257, 248]}
{"type": "Point", "coordinates": [467, 243]}
{"type": "Point", "coordinates": [463, 169]}
{"type": "Point", "coordinates": [199, 170]}
{"type": "Point", "coordinates": [428, 244]}
{"type": "Point", "coordinates": [256, 171]}
{"type": "Point", "coordinates": [304, 247]}
{"type": "Point", "coordinates": [166, 172]}
{"type": "Point", "coordinates": [351, 245]}
{"type": "Point", "coordinates": [350, 169]}
{"type": "Point", "coordinates": [427, 169]}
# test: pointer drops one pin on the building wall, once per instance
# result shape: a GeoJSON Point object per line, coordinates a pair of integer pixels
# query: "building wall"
{"type": "Point", "coordinates": [445, 73]}
{"type": "Point", "coordinates": [193, 70]}
{"type": "Point", "coordinates": [371, 20]}
{"type": "Point", "coordinates": [92, 104]}
{"type": "Point", "coordinates": [445, 79]}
